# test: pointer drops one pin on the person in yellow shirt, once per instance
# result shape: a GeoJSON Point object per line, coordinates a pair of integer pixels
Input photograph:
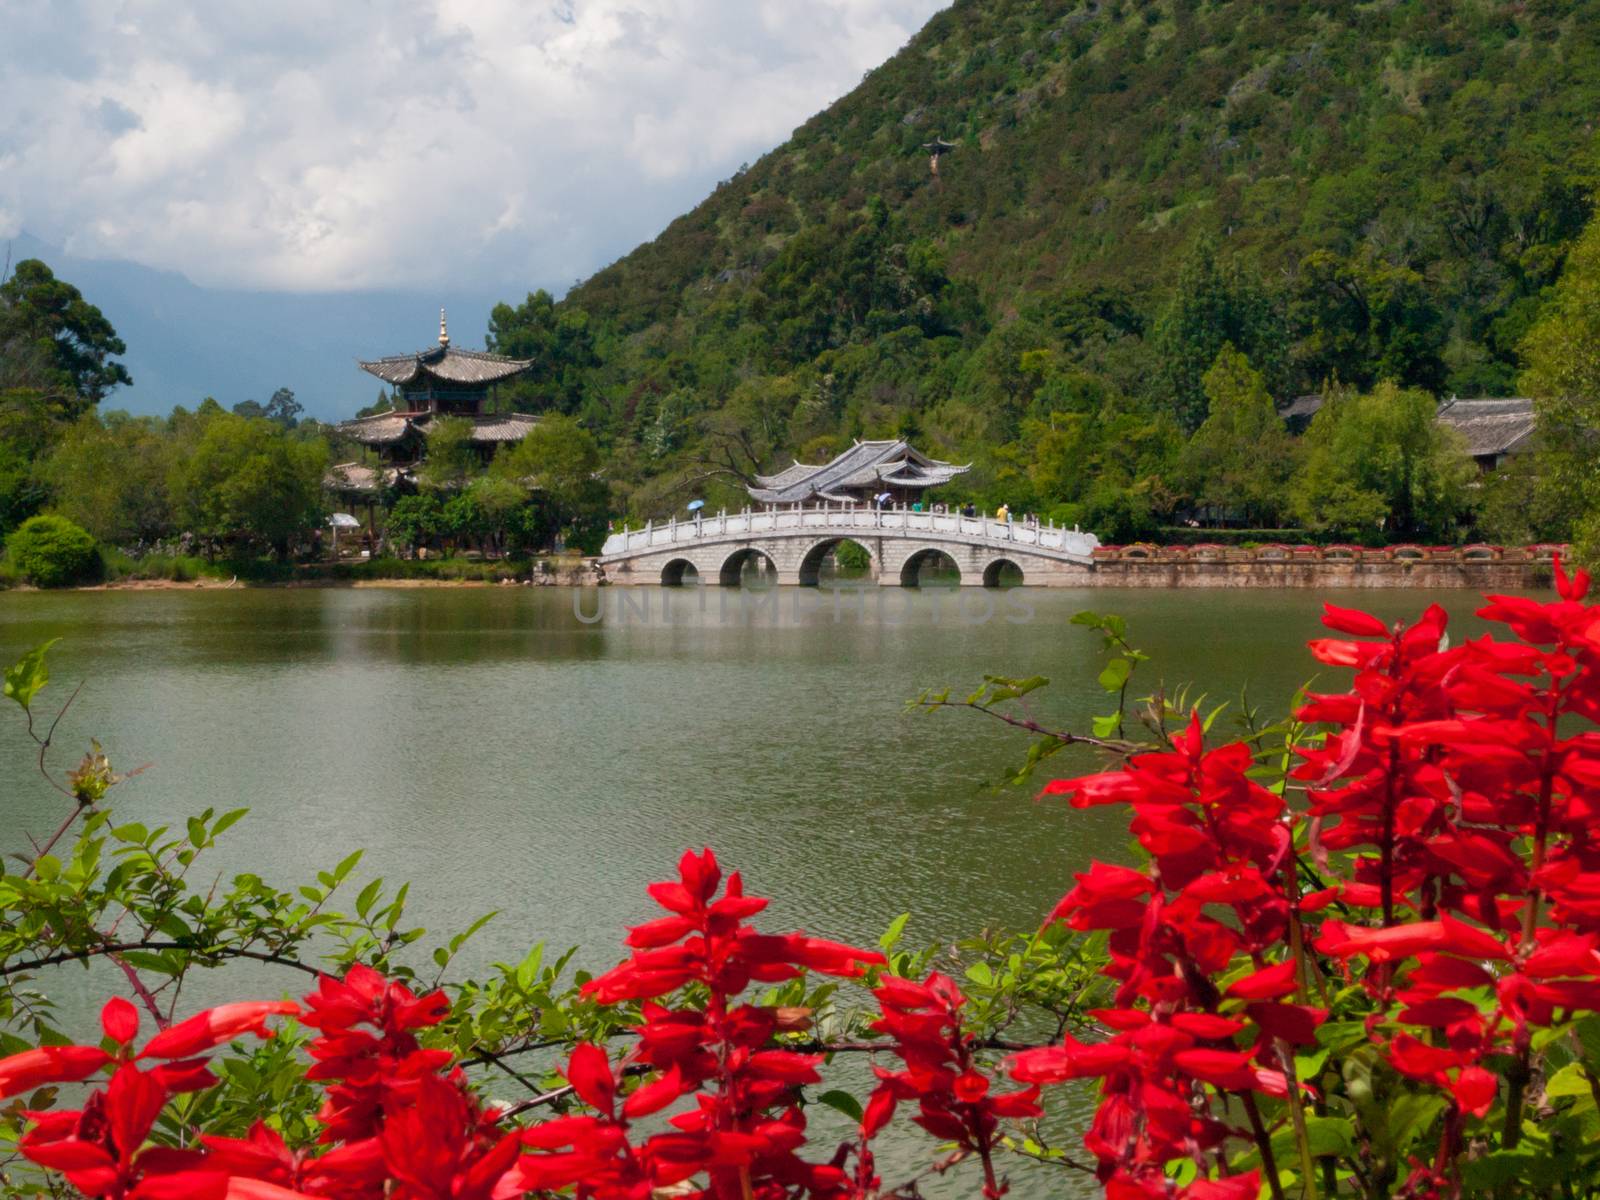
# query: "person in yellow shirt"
{"type": "Point", "coordinates": [1003, 513]}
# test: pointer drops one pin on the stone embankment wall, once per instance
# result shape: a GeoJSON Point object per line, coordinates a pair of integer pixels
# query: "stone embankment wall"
{"type": "Point", "coordinates": [1485, 568]}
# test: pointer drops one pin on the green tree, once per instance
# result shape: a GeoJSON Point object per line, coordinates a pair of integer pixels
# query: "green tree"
{"type": "Point", "coordinates": [561, 461]}
{"type": "Point", "coordinates": [110, 476]}
{"type": "Point", "coordinates": [414, 521]}
{"type": "Point", "coordinates": [500, 503]}
{"type": "Point", "coordinates": [451, 459]}
{"type": "Point", "coordinates": [29, 424]}
{"type": "Point", "coordinates": [1360, 320]}
{"type": "Point", "coordinates": [51, 551]}
{"type": "Point", "coordinates": [559, 343]}
{"type": "Point", "coordinates": [53, 340]}
{"type": "Point", "coordinates": [384, 403]}
{"type": "Point", "coordinates": [1562, 352]}
{"type": "Point", "coordinates": [1214, 305]}
{"type": "Point", "coordinates": [461, 520]}
{"type": "Point", "coordinates": [1241, 458]}
{"type": "Point", "coordinates": [247, 483]}
{"type": "Point", "coordinates": [1379, 464]}
{"type": "Point", "coordinates": [282, 409]}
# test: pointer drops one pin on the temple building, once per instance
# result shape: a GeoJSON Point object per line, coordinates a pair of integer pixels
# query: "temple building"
{"type": "Point", "coordinates": [868, 470]}
{"type": "Point", "coordinates": [429, 386]}
{"type": "Point", "coordinates": [1493, 428]}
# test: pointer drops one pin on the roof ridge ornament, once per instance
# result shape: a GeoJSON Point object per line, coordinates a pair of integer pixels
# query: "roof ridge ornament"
{"type": "Point", "coordinates": [444, 333]}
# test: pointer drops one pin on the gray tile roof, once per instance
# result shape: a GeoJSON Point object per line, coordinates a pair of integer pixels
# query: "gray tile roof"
{"type": "Point", "coordinates": [448, 365]}
{"type": "Point", "coordinates": [493, 427]}
{"type": "Point", "coordinates": [385, 429]}
{"type": "Point", "coordinates": [358, 478]}
{"type": "Point", "coordinates": [865, 465]}
{"type": "Point", "coordinates": [1489, 426]}
{"type": "Point", "coordinates": [380, 429]}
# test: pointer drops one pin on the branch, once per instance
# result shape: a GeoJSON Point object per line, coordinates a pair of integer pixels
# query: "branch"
{"type": "Point", "coordinates": [1115, 745]}
{"type": "Point", "coordinates": [116, 948]}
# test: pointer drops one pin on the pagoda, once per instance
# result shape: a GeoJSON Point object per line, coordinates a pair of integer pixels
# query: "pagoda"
{"type": "Point", "coordinates": [430, 386]}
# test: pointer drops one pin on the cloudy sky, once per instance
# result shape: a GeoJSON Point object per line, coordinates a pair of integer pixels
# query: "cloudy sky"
{"type": "Point", "coordinates": [326, 145]}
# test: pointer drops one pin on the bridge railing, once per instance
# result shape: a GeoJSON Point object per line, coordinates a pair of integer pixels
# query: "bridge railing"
{"type": "Point", "coordinates": [867, 520]}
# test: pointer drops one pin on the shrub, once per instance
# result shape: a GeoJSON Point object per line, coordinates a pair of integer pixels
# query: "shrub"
{"type": "Point", "coordinates": [53, 552]}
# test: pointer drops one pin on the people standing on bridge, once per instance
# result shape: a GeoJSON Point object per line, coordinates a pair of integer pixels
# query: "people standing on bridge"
{"type": "Point", "coordinates": [969, 510]}
{"type": "Point", "coordinates": [916, 506]}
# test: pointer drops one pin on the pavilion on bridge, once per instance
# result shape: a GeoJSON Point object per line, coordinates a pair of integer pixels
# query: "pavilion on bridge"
{"type": "Point", "coordinates": [868, 470]}
{"type": "Point", "coordinates": [430, 386]}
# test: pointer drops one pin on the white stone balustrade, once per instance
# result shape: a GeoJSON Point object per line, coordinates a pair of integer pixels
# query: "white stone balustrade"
{"type": "Point", "coordinates": [792, 538]}
{"type": "Point", "coordinates": [797, 519]}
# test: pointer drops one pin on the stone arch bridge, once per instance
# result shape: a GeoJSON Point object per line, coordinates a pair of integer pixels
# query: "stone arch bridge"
{"type": "Point", "coordinates": [794, 542]}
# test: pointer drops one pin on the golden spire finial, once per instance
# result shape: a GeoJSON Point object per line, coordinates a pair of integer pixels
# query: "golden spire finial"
{"type": "Point", "coordinates": [444, 334]}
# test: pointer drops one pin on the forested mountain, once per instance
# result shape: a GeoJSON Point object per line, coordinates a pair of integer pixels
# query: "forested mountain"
{"type": "Point", "coordinates": [1347, 192]}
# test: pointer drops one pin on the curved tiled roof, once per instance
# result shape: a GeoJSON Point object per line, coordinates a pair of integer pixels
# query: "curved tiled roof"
{"type": "Point", "coordinates": [491, 427]}
{"type": "Point", "coordinates": [1490, 426]}
{"type": "Point", "coordinates": [379, 429]}
{"type": "Point", "coordinates": [358, 478]}
{"type": "Point", "coordinates": [385, 429]}
{"type": "Point", "coordinates": [864, 465]}
{"type": "Point", "coordinates": [448, 365]}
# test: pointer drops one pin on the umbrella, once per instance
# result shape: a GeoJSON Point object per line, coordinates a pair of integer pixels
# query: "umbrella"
{"type": "Point", "coordinates": [882, 496]}
{"type": "Point", "coordinates": [696, 505]}
{"type": "Point", "coordinates": [344, 521]}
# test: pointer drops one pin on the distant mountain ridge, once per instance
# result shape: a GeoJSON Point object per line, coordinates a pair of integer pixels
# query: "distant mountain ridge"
{"type": "Point", "coordinates": [186, 342]}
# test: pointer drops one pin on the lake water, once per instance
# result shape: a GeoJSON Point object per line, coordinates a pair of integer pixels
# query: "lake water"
{"type": "Point", "coordinates": [547, 753]}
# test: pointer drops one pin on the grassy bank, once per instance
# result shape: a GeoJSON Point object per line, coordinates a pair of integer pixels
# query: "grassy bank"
{"type": "Point", "coordinates": [121, 570]}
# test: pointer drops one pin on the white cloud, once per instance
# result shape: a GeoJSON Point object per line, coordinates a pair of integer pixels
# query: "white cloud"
{"type": "Point", "coordinates": [342, 144]}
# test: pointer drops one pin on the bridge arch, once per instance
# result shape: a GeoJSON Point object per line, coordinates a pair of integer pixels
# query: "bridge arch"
{"type": "Point", "coordinates": [1003, 572]}
{"type": "Point", "coordinates": [928, 557]}
{"type": "Point", "coordinates": [811, 561]}
{"type": "Point", "coordinates": [734, 566]}
{"type": "Point", "coordinates": [679, 571]}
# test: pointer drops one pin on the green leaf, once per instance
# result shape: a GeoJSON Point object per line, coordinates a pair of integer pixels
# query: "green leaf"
{"type": "Point", "coordinates": [1411, 1115]}
{"type": "Point", "coordinates": [1571, 1080]}
{"type": "Point", "coordinates": [29, 675]}
{"type": "Point", "coordinates": [999, 688]}
{"type": "Point", "coordinates": [842, 1102]}
{"type": "Point", "coordinates": [1588, 1032]}
{"type": "Point", "coordinates": [1106, 726]}
{"type": "Point", "coordinates": [891, 936]}
{"type": "Point", "coordinates": [368, 896]}
{"type": "Point", "coordinates": [1328, 1136]}
{"type": "Point", "coordinates": [1496, 1168]}
{"type": "Point", "coordinates": [348, 864]}
{"type": "Point", "coordinates": [1341, 1035]}
{"type": "Point", "coordinates": [1115, 674]}
{"type": "Point", "coordinates": [226, 821]}
{"type": "Point", "coordinates": [460, 939]}
{"type": "Point", "coordinates": [47, 867]}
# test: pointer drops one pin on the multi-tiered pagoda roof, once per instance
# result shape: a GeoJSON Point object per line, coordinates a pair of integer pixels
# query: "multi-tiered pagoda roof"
{"type": "Point", "coordinates": [440, 383]}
